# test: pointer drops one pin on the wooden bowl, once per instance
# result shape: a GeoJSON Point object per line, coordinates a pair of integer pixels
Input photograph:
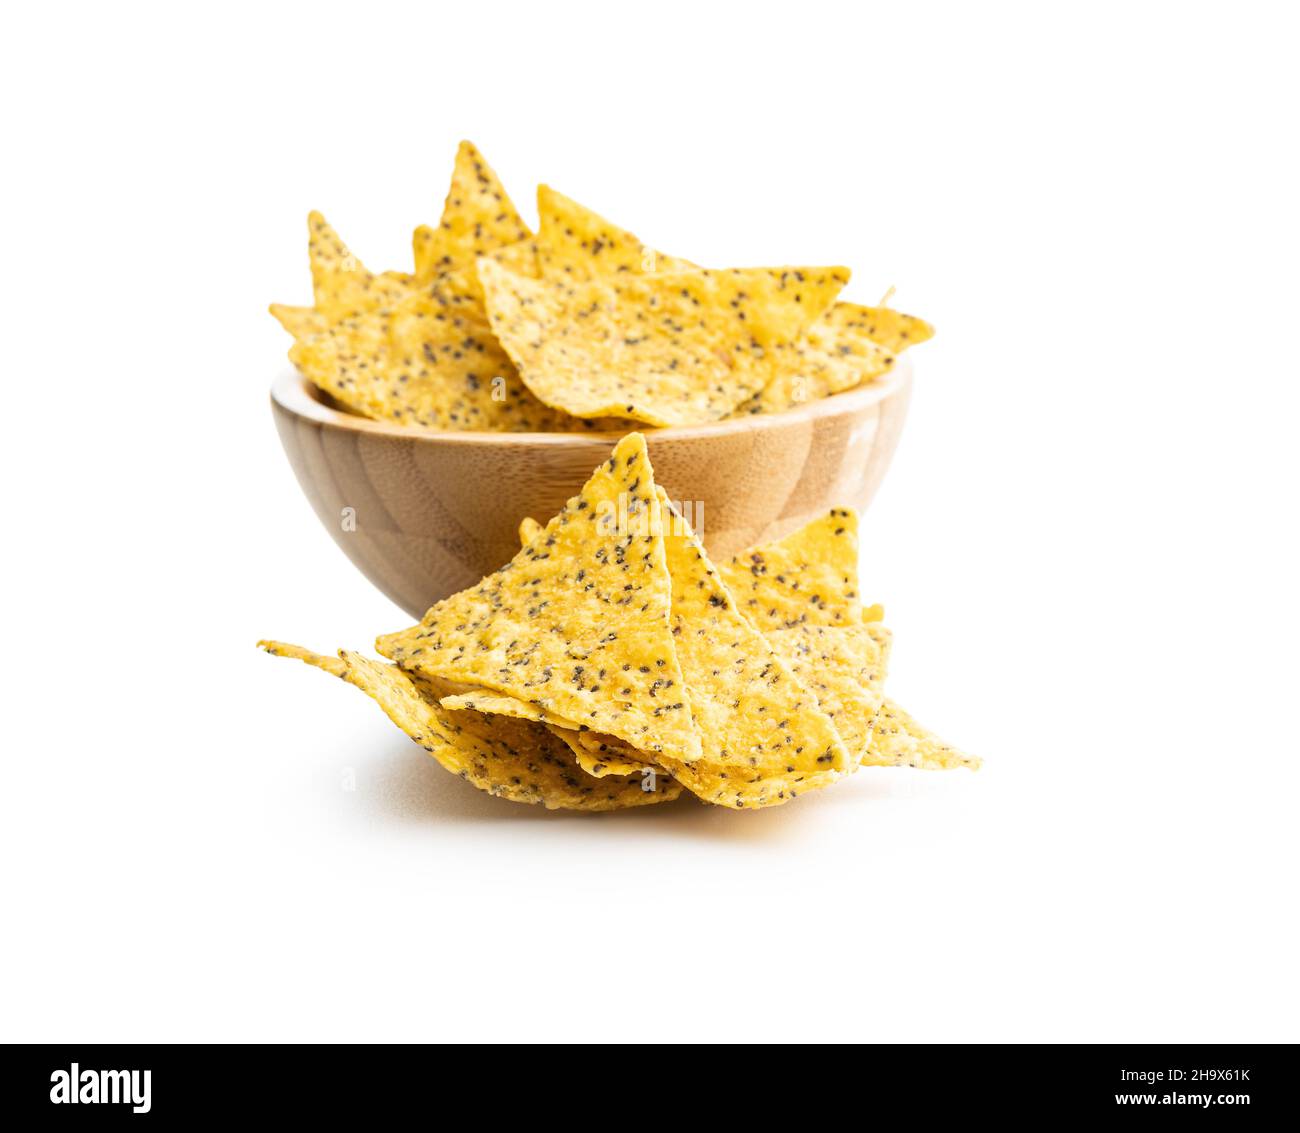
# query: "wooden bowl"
{"type": "Point", "coordinates": [424, 514]}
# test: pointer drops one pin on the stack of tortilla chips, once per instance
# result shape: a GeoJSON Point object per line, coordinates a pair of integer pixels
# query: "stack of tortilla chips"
{"type": "Point", "coordinates": [580, 327]}
{"type": "Point", "coordinates": [610, 663]}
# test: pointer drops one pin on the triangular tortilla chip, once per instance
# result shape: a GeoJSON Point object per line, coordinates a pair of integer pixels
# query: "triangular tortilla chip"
{"type": "Point", "coordinates": [478, 217]}
{"type": "Point", "coordinates": [511, 759]}
{"type": "Point", "coordinates": [432, 360]}
{"type": "Point", "coordinates": [597, 762]}
{"type": "Point", "coordinates": [899, 741]}
{"type": "Point", "coordinates": [577, 622]}
{"type": "Point", "coordinates": [604, 755]}
{"type": "Point", "coordinates": [808, 580]}
{"type": "Point", "coordinates": [498, 704]}
{"type": "Point", "coordinates": [810, 576]}
{"type": "Point", "coordinates": [573, 242]}
{"type": "Point", "coordinates": [763, 737]}
{"type": "Point", "coordinates": [836, 354]}
{"type": "Point", "coordinates": [335, 666]}
{"type": "Point", "coordinates": [343, 286]}
{"type": "Point", "coordinates": [844, 667]}
{"type": "Point", "coordinates": [893, 330]}
{"type": "Point", "coordinates": [301, 322]}
{"type": "Point", "coordinates": [674, 348]}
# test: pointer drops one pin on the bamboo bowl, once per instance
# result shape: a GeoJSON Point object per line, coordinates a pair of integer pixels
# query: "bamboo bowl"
{"type": "Point", "coordinates": [423, 514]}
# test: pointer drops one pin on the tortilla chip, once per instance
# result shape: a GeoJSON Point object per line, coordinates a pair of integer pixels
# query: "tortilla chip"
{"type": "Point", "coordinates": [675, 348]}
{"type": "Point", "coordinates": [301, 322]}
{"type": "Point", "coordinates": [334, 665]}
{"type": "Point", "coordinates": [608, 756]}
{"type": "Point", "coordinates": [575, 243]}
{"type": "Point", "coordinates": [477, 217]}
{"type": "Point", "coordinates": [893, 330]}
{"type": "Point", "coordinates": [432, 360]}
{"type": "Point", "coordinates": [497, 704]}
{"type": "Point", "coordinates": [511, 759]}
{"type": "Point", "coordinates": [899, 741]}
{"type": "Point", "coordinates": [597, 749]}
{"type": "Point", "coordinates": [763, 738]}
{"type": "Point", "coordinates": [597, 761]}
{"type": "Point", "coordinates": [343, 286]}
{"type": "Point", "coordinates": [844, 667]}
{"type": "Point", "coordinates": [809, 577]}
{"type": "Point", "coordinates": [577, 622]}
{"type": "Point", "coordinates": [836, 354]}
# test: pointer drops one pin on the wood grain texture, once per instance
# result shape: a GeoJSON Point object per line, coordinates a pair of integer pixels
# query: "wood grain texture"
{"type": "Point", "coordinates": [434, 512]}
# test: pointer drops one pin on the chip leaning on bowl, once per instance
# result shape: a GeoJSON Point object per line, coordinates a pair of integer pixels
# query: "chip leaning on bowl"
{"type": "Point", "coordinates": [611, 663]}
{"type": "Point", "coordinates": [579, 327]}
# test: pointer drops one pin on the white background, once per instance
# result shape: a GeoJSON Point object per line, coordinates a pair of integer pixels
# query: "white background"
{"type": "Point", "coordinates": [1086, 545]}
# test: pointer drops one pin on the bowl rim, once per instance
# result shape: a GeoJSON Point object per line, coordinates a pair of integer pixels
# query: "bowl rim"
{"type": "Point", "coordinates": [292, 392]}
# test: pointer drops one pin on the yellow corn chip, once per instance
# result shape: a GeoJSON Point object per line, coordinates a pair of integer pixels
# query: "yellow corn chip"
{"type": "Point", "coordinates": [763, 737]}
{"type": "Point", "coordinates": [882, 641]}
{"type": "Point", "coordinates": [511, 759]}
{"type": "Point", "coordinates": [335, 665]}
{"type": "Point", "coordinates": [810, 576]}
{"type": "Point", "coordinates": [893, 330]}
{"type": "Point", "coordinates": [301, 322]}
{"type": "Point", "coordinates": [575, 243]}
{"type": "Point", "coordinates": [836, 354]}
{"type": "Point", "coordinates": [899, 741]}
{"type": "Point", "coordinates": [343, 286]}
{"type": "Point", "coordinates": [603, 766]}
{"type": "Point", "coordinates": [597, 761]}
{"type": "Point", "coordinates": [431, 360]}
{"type": "Point", "coordinates": [853, 658]}
{"type": "Point", "coordinates": [670, 349]}
{"type": "Point", "coordinates": [843, 666]}
{"type": "Point", "coordinates": [604, 755]}
{"type": "Point", "coordinates": [614, 756]}
{"type": "Point", "coordinates": [477, 217]}
{"type": "Point", "coordinates": [577, 622]}
{"type": "Point", "coordinates": [498, 704]}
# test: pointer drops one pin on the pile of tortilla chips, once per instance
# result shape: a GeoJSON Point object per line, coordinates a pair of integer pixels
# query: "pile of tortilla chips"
{"type": "Point", "coordinates": [610, 663]}
{"type": "Point", "coordinates": [580, 327]}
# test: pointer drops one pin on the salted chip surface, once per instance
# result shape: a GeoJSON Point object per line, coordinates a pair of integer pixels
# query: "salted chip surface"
{"type": "Point", "coordinates": [844, 667]}
{"type": "Point", "coordinates": [809, 577]}
{"type": "Point", "coordinates": [837, 353]}
{"type": "Point", "coordinates": [577, 622]}
{"type": "Point", "coordinates": [511, 759]}
{"type": "Point", "coordinates": [432, 360]}
{"type": "Point", "coordinates": [529, 529]}
{"type": "Point", "coordinates": [674, 348]}
{"type": "Point", "coordinates": [897, 740]}
{"type": "Point", "coordinates": [478, 217]}
{"type": "Point", "coordinates": [762, 735]}
{"type": "Point", "coordinates": [574, 242]}
{"type": "Point", "coordinates": [342, 285]}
